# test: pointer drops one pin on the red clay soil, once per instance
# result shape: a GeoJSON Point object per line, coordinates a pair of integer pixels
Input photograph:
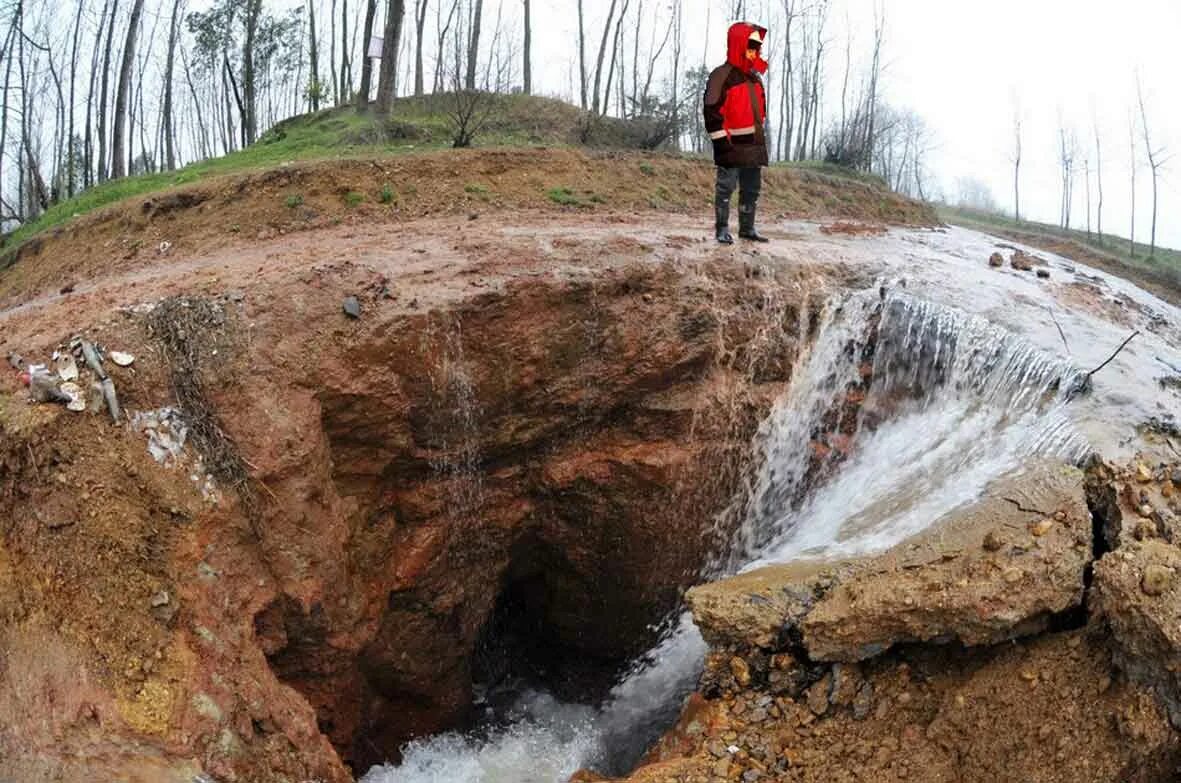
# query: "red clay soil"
{"type": "Point", "coordinates": [238, 210]}
{"type": "Point", "coordinates": [541, 406]}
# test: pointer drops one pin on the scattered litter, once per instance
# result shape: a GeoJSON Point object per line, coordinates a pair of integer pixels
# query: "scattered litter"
{"type": "Point", "coordinates": [352, 307]}
{"type": "Point", "coordinates": [67, 368]}
{"type": "Point", "coordinates": [43, 385]}
{"type": "Point", "coordinates": [165, 246]}
{"type": "Point", "coordinates": [93, 360]}
{"type": "Point", "coordinates": [122, 359]}
{"type": "Point", "coordinates": [108, 387]}
{"type": "Point", "coordinates": [77, 401]}
{"type": "Point", "coordinates": [16, 360]}
{"type": "Point", "coordinates": [166, 432]}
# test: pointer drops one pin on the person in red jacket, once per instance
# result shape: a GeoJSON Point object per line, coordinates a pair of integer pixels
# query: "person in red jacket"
{"type": "Point", "coordinates": [735, 117]}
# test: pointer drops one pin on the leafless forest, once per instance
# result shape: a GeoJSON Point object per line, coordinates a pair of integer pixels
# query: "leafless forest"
{"type": "Point", "coordinates": [95, 90]}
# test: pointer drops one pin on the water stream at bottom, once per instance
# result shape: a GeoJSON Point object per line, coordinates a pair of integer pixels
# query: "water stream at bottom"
{"type": "Point", "coordinates": [944, 404]}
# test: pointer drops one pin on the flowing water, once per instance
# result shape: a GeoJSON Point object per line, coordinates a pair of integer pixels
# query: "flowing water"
{"type": "Point", "coordinates": [945, 403]}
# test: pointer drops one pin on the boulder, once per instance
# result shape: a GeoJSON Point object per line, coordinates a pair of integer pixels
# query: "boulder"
{"type": "Point", "coordinates": [995, 570]}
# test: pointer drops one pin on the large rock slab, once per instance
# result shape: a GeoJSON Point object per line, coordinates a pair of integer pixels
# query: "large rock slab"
{"type": "Point", "coordinates": [995, 570]}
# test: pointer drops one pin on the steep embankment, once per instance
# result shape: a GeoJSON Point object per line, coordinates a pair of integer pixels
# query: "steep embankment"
{"type": "Point", "coordinates": [542, 417]}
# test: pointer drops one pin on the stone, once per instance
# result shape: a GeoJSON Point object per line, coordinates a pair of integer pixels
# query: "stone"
{"type": "Point", "coordinates": [351, 307]}
{"type": "Point", "coordinates": [996, 259]}
{"type": "Point", "coordinates": [856, 609]}
{"type": "Point", "coordinates": [993, 541]}
{"type": "Point", "coordinates": [863, 701]}
{"type": "Point", "coordinates": [1044, 274]}
{"type": "Point", "coordinates": [1042, 527]}
{"type": "Point", "coordinates": [1143, 473]}
{"type": "Point", "coordinates": [741, 671]}
{"type": "Point", "coordinates": [1144, 529]}
{"type": "Point", "coordinates": [160, 599]}
{"type": "Point", "coordinates": [818, 695]}
{"type": "Point", "coordinates": [1021, 261]}
{"type": "Point", "coordinates": [1156, 580]}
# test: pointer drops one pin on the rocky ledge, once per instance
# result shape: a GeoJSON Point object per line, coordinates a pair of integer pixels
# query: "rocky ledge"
{"type": "Point", "coordinates": [1029, 636]}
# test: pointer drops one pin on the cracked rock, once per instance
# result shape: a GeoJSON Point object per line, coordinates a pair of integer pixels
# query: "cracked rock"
{"type": "Point", "coordinates": [915, 592]}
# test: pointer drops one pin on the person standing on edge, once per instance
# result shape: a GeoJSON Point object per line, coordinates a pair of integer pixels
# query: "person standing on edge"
{"type": "Point", "coordinates": [735, 117]}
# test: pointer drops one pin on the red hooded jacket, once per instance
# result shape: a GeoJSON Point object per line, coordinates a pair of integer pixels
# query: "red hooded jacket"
{"type": "Point", "coordinates": [736, 105]}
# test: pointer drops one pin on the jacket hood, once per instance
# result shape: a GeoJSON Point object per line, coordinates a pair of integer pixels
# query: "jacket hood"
{"type": "Point", "coordinates": [736, 47]}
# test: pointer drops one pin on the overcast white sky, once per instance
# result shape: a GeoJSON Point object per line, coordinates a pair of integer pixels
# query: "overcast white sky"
{"type": "Point", "coordinates": [961, 64]}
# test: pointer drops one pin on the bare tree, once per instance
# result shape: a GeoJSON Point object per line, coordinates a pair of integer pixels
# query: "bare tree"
{"type": "Point", "coordinates": [1066, 153]}
{"type": "Point", "coordinates": [595, 98]}
{"type": "Point", "coordinates": [581, 58]}
{"type": "Point", "coordinates": [389, 57]}
{"type": "Point", "coordinates": [1132, 167]}
{"type": "Point", "coordinates": [102, 100]}
{"type": "Point", "coordinates": [1017, 164]}
{"type": "Point", "coordinates": [367, 63]}
{"type": "Point", "coordinates": [528, 72]}
{"type": "Point", "coordinates": [1099, 183]}
{"type": "Point", "coordinates": [346, 67]}
{"type": "Point", "coordinates": [118, 162]}
{"type": "Point", "coordinates": [249, 77]}
{"type": "Point", "coordinates": [420, 8]}
{"type": "Point", "coordinates": [1155, 162]}
{"type": "Point", "coordinates": [1087, 177]}
{"type": "Point", "coordinates": [169, 127]}
{"type": "Point", "coordinates": [314, 87]}
{"type": "Point", "coordinates": [473, 45]}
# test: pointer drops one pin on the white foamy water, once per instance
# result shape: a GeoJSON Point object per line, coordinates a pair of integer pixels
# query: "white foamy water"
{"type": "Point", "coordinates": [954, 403]}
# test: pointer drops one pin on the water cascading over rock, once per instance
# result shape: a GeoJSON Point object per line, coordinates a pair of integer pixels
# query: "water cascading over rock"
{"type": "Point", "coordinates": [900, 411]}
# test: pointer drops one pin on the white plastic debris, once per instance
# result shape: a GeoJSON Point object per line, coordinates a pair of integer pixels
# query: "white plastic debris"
{"type": "Point", "coordinates": [67, 368]}
{"type": "Point", "coordinates": [166, 433]}
{"type": "Point", "coordinates": [72, 390]}
{"type": "Point", "coordinates": [122, 359]}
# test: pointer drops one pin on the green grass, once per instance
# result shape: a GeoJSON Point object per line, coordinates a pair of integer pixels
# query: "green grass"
{"type": "Point", "coordinates": [293, 201]}
{"type": "Point", "coordinates": [331, 134]}
{"type": "Point", "coordinates": [563, 196]}
{"type": "Point", "coordinates": [353, 198]}
{"type": "Point", "coordinates": [387, 195]}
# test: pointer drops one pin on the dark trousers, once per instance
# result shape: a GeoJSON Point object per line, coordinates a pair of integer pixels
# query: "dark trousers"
{"type": "Point", "coordinates": [748, 181]}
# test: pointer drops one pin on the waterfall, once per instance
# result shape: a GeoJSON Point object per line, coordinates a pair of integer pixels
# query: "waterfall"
{"type": "Point", "coordinates": [901, 411]}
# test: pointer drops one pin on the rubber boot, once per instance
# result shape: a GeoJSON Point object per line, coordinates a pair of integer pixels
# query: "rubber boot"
{"type": "Point", "coordinates": [722, 223]}
{"type": "Point", "coordinates": [746, 224]}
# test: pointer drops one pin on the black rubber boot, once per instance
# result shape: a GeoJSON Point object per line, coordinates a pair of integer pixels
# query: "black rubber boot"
{"type": "Point", "coordinates": [746, 224]}
{"type": "Point", "coordinates": [722, 223]}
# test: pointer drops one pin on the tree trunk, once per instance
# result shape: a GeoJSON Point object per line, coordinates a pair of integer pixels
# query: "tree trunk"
{"type": "Point", "coordinates": [599, 60]}
{"type": "Point", "coordinates": [1132, 233]}
{"type": "Point", "coordinates": [473, 47]}
{"type": "Point", "coordinates": [120, 118]}
{"type": "Point", "coordinates": [314, 52]}
{"type": "Point", "coordinates": [169, 131]}
{"type": "Point", "coordinates": [420, 9]}
{"type": "Point", "coordinates": [71, 153]}
{"type": "Point", "coordinates": [103, 93]}
{"type": "Point", "coordinates": [389, 57]}
{"type": "Point", "coordinates": [581, 57]}
{"type": "Point", "coordinates": [248, 104]}
{"type": "Point", "coordinates": [614, 52]}
{"type": "Point", "coordinates": [367, 63]}
{"type": "Point", "coordinates": [1099, 184]}
{"type": "Point", "coordinates": [346, 72]}
{"type": "Point", "coordinates": [528, 74]}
